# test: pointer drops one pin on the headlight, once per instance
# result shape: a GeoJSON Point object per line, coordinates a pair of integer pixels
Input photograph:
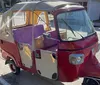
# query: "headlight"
{"type": "Point", "coordinates": [76, 59]}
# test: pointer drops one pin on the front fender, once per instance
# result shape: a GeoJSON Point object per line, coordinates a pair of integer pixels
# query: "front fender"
{"type": "Point", "coordinates": [90, 68]}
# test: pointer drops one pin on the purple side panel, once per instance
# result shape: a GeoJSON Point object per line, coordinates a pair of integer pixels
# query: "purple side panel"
{"type": "Point", "coordinates": [38, 31]}
{"type": "Point", "coordinates": [24, 34]}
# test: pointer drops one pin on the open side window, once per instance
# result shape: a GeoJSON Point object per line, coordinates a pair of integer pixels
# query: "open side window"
{"type": "Point", "coordinates": [22, 18]}
{"type": "Point", "coordinates": [5, 29]}
{"type": "Point", "coordinates": [18, 19]}
{"type": "Point", "coordinates": [41, 18]}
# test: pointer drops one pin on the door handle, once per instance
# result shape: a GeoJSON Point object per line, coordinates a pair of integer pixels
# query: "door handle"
{"type": "Point", "coordinates": [37, 54]}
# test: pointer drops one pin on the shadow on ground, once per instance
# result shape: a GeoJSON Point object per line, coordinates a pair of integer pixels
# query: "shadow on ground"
{"type": "Point", "coordinates": [26, 78]}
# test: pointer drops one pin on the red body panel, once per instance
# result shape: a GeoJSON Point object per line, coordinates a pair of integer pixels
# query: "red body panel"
{"type": "Point", "coordinates": [66, 71]}
{"type": "Point", "coordinates": [10, 50]}
{"type": "Point", "coordinates": [69, 72]}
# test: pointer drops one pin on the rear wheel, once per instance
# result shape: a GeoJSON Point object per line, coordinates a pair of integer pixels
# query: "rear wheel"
{"type": "Point", "coordinates": [14, 68]}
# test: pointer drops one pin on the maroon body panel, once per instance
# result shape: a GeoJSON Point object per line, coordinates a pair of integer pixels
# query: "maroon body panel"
{"type": "Point", "coordinates": [68, 72]}
{"type": "Point", "coordinates": [10, 50]}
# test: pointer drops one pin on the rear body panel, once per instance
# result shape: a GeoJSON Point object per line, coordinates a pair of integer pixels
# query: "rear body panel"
{"type": "Point", "coordinates": [10, 50]}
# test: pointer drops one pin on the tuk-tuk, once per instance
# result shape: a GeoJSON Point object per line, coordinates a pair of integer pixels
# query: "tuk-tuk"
{"type": "Point", "coordinates": [54, 39]}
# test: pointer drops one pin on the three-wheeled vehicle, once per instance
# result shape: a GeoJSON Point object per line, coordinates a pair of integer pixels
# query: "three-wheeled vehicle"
{"type": "Point", "coordinates": [54, 39]}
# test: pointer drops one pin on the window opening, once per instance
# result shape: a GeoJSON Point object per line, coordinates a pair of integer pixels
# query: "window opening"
{"type": "Point", "coordinates": [19, 19]}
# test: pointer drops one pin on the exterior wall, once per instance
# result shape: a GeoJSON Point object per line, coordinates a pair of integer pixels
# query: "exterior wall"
{"type": "Point", "coordinates": [94, 10]}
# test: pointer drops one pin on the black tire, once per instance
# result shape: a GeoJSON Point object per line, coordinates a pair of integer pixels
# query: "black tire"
{"type": "Point", "coordinates": [14, 68]}
{"type": "Point", "coordinates": [90, 81]}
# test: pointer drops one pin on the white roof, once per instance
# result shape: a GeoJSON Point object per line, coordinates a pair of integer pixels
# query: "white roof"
{"type": "Point", "coordinates": [40, 5]}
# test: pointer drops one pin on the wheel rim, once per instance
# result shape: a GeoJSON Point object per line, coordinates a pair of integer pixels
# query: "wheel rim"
{"type": "Point", "coordinates": [12, 67]}
{"type": "Point", "coordinates": [92, 82]}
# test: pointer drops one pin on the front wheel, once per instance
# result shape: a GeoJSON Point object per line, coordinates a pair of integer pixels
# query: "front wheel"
{"type": "Point", "coordinates": [90, 81]}
{"type": "Point", "coordinates": [14, 68]}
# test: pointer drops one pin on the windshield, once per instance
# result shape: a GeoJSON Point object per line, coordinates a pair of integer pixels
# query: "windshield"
{"type": "Point", "coordinates": [74, 25]}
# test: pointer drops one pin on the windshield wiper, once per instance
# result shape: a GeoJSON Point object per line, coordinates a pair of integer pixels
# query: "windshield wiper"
{"type": "Point", "coordinates": [69, 27]}
{"type": "Point", "coordinates": [79, 34]}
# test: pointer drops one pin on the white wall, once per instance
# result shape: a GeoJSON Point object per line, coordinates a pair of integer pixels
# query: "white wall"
{"type": "Point", "coordinates": [94, 9]}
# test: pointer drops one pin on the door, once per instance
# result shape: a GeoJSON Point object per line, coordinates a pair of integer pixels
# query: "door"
{"type": "Point", "coordinates": [22, 33]}
{"type": "Point", "coordinates": [25, 54]}
{"type": "Point", "coordinates": [46, 65]}
{"type": "Point", "coordinates": [24, 44]}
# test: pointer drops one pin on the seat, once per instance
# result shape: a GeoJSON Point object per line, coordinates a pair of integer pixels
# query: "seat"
{"type": "Point", "coordinates": [38, 36]}
{"type": "Point", "coordinates": [24, 35]}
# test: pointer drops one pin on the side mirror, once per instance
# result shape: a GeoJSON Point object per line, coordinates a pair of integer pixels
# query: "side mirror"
{"type": "Point", "coordinates": [47, 35]}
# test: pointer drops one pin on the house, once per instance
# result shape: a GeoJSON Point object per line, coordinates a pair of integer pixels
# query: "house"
{"type": "Point", "coordinates": [6, 4]}
{"type": "Point", "coordinates": [92, 7]}
{"type": "Point", "coordinates": [94, 11]}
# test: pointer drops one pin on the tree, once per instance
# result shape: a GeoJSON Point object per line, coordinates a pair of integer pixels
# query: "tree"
{"type": "Point", "coordinates": [4, 4]}
{"type": "Point", "coordinates": [11, 2]}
